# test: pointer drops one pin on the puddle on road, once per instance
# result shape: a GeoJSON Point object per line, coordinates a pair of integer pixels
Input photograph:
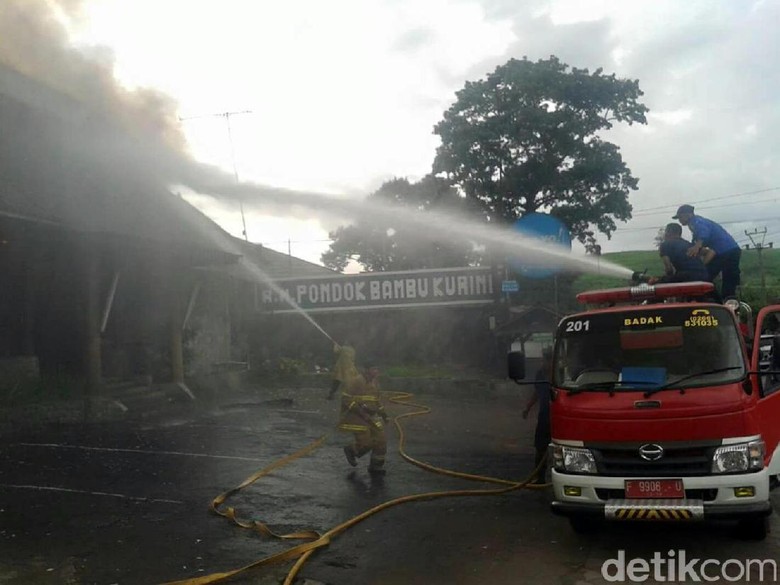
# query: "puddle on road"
{"type": "Point", "coordinates": [275, 402]}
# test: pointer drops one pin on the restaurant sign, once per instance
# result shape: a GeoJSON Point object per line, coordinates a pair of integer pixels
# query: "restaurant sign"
{"type": "Point", "coordinates": [379, 290]}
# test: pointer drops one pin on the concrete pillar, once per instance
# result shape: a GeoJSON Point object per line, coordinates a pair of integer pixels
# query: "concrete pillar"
{"type": "Point", "coordinates": [93, 367]}
{"type": "Point", "coordinates": [177, 352]}
{"type": "Point", "coordinates": [30, 292]}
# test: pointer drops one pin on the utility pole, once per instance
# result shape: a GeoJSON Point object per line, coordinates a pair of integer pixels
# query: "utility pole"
{"type": "Point", "coordinates": [759, 247]}
{"type": "Point", "coordinates": [227, 116]}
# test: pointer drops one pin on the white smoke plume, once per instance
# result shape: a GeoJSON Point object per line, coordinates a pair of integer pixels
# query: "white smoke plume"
{"type": "Point", "coordinates": [147, 150]}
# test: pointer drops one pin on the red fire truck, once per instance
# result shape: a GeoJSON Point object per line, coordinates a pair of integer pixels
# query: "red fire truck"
{"type": "Point", "coordinates": [664, 407]}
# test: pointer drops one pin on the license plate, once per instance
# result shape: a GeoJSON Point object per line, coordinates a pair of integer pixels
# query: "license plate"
{"type": "Point", "coordinates": [654, 488]}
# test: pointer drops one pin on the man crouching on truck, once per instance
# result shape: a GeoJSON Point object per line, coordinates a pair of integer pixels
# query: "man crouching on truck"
{"type": "Point", "coordinates": [678, 265]}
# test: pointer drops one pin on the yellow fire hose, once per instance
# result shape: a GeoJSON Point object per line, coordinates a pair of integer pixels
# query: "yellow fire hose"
{"type": "Point", "coordinates": [303, 551]}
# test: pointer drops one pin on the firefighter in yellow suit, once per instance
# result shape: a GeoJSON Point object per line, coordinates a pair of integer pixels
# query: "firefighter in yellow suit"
{"type": "Point", "coordinates": [344, 369]}
{"type": "Point", "coordinates": [363, 415]}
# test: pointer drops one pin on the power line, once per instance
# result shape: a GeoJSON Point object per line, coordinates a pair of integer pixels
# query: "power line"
{"type": "Point", "coordinates": [771, 234]}
{"type": "Point", "coordinates": [719, 198]}
{"type": "Point", "coordinates": [718, 206]}
{"type": "Point", "coordinates": [759, 247]}
{"type": "Point", "coordinates": [736, 221]}
{"type": "Point", "coordinates": [227, 115]}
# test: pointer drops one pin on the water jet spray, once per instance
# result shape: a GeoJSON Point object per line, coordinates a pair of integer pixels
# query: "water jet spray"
{"type": "Point", "coordinates": [429, 224]}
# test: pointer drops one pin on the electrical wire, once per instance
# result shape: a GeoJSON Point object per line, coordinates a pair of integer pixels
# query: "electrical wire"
{"type": "Point", "coordinates": [719, 198]}
{"type": "Point", "coordinates": [730, 222]}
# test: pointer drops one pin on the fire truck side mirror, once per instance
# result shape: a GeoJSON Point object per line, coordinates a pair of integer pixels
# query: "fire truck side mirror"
{"type": "Point", "coordinates": [516, 365]}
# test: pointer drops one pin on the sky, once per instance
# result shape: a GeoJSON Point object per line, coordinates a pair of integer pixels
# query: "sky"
{"type": "Point", "coordinates": [339, 96]}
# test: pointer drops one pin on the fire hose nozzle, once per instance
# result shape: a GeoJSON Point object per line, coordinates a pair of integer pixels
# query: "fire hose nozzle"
{"type": "Point", "coordinates": [640, 276]}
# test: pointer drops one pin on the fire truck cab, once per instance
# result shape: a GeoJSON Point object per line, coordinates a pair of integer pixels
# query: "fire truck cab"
{"type": "Point", "coordinates": [664, 407]}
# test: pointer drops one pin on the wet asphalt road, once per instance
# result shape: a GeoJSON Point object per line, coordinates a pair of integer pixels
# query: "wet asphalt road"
{"type": "Point", "coordinates": [127, 501]}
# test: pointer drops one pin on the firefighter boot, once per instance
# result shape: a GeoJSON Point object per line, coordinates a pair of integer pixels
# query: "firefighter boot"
{"type": "Point", "coordinates": [377, 465]}
{"type": "Point", "coordinates": [349, 453]}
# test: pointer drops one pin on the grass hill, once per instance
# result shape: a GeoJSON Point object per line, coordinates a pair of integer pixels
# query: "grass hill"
{"type": "Point", "coordinates": [751, 289]}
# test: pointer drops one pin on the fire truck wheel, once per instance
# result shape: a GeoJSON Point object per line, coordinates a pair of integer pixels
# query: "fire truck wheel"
{"type": "Point", "coordinates": [585, 524]}
{"type": "Point", "coordinates": [755, 528]}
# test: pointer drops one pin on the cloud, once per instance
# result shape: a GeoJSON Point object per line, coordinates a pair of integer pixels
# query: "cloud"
{"type": "Point", "coordinates": [585, 44]}
{"type": "Point", "coordinates": [413, 40]}
{"type": "Point", "coordinates": [709, 79]}
{"type": "Point", "coordinates": [344, 93]}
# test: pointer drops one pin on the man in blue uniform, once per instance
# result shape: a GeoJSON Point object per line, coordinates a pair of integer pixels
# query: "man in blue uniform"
{"type": "Point", "coordinates": [712, 235]}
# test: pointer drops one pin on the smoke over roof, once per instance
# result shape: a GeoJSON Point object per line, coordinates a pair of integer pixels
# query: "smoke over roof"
{"type": "Point", "coordinates": [91, 143]}
{"type": "Point", "coordinates": [34, 41]}
{"type": "Point", "coordinates": [77, 149]}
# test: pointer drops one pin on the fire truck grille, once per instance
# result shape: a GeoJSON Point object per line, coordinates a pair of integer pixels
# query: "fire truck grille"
{"type": "Point", "coordinates": [677, 461]}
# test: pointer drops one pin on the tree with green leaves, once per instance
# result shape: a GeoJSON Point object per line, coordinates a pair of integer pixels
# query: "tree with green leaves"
{"type": "Point", "coordinates": [529, 138]}
{"type": "Point", "coordinates": [383, 242]}
{"type": "Point", "coordinates": [659, 237]}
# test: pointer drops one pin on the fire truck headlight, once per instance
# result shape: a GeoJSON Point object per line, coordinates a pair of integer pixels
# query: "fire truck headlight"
{"type": "Point", "coordinates": [739, 457]}
{"type": "Point", "coordinates": [573, 459]}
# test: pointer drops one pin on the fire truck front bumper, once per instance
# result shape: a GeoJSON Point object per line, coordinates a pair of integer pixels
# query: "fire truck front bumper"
{"type": "Point", "coordinates": [661, 510]}
{"type": "Point", "coordinates": [710, 497]}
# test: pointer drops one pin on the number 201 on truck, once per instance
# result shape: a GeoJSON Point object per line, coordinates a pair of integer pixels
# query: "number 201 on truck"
{"type": "Point", "coordinates": [664, 407]}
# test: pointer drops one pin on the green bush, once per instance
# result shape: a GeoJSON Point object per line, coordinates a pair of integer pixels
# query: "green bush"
{"type": "Point", "coordinates": [287, 367]}
{"type": "Point", "coordinates": [753, 295]}
{"type": "Point", "coordinates": [51, 387]}
{"type": "Point", "coordinates": [417, 371]}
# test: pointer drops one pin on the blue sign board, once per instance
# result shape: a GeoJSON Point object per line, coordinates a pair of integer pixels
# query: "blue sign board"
{"type": "Point", "coordinates": [510, 286]}
{"type": "Point", "coordinates": [547, 230]}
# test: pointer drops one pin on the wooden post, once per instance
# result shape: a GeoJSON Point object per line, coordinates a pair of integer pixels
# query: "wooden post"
{"type": "Point", "coordinates": [177, 352]}
{"type": "Point", "coordinates": [30, 292]}
{"type": "Point", "coordinates": [92, 353]}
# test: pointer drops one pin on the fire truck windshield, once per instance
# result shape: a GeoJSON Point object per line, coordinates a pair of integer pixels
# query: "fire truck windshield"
{"type": "Point", "coordinates": [648, 349]}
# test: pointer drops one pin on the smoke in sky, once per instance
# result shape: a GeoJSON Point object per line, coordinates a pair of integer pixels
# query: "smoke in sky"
{"type": "Point", "coordinates": [123, 135]}
{"type": "Point", "coordinates": [34, 41]}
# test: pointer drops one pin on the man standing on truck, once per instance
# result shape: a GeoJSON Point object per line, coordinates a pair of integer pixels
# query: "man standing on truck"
{"type": "Point", "coordinates": [678, 265]}
{"type": "Point", "coordinates": [712, 235]}
{"type": "Point", "coordinates": [541, 395]}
